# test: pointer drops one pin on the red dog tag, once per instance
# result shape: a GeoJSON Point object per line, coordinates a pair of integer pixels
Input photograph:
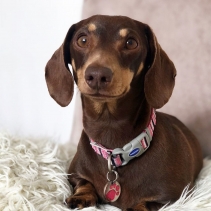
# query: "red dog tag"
{"type": "Point", "coordinates": [112, 191]}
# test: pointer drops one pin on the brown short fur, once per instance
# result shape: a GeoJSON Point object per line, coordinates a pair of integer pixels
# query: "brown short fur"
{"type": "Point", "coordinates": [119, 85]}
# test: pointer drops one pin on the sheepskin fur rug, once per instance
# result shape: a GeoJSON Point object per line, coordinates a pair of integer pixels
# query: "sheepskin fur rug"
{"type": "Point", "coordinates": [33, 177]}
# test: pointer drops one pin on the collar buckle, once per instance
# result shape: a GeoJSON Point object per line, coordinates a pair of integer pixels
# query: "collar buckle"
{"type": "Point", "coordinates": [135, 148]}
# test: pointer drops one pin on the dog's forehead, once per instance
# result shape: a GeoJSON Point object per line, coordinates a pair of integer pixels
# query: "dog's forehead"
{"type": "Point", "coordinates": [110, 24]}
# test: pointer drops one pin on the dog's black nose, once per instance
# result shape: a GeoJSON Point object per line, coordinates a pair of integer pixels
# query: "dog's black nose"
{"type": "Point", "coordinates": [98, 77]}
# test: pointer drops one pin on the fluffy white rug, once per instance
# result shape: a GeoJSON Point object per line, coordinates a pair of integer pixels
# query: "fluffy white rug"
{"type": "Point", "coordinates": [32, 177]}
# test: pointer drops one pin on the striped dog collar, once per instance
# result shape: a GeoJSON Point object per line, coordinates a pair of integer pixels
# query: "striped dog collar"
{"type": "Point", "coordinates": [135, 148]}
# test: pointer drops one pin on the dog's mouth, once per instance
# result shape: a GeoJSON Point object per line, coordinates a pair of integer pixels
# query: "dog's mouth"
{"type": "Point", "coordinates": [104, 97]}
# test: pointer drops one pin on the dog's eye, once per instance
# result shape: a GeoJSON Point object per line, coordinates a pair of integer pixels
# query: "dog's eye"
{"type": "Point", "coordinates": [131, 44]}
{"type": "Point", "coordinates": [82, 41]}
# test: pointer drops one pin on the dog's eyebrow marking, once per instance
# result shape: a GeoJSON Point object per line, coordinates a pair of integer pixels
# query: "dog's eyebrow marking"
{"type": "Point", "coordinates": [91, 27]}
{"type": "Point", "coordinates": [123, 32]}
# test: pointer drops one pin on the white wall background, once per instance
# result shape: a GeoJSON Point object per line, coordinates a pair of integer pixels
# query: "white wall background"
{"type": "Point", "coordinates": [30, 31]}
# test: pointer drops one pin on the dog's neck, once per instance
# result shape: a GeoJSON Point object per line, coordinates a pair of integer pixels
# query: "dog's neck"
{"type": "Point", "coordinates": [115, 123]}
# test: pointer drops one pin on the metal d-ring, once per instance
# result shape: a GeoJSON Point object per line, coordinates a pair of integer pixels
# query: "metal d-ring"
{"type": "Point", "coordinates": [109, 163]}
{"type": "Point", "coordinates": [111, 170]}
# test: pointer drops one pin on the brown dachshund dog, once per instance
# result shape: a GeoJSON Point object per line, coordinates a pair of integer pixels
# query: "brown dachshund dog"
{"type": "Point", "coordinates": [129, 155]}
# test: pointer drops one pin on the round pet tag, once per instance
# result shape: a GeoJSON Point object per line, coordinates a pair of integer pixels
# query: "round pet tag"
{"type": "Point", "coordinates": [112, 191]}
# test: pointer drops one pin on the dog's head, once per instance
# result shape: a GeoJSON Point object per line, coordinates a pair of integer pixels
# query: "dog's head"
{"type": "Point", "coordinates": [107, 53]}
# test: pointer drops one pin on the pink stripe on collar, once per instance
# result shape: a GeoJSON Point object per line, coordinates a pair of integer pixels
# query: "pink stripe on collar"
{"type": "Point", "coordinates": [136, 147]}
{"type": "Point", "coordinates": [104, 152]}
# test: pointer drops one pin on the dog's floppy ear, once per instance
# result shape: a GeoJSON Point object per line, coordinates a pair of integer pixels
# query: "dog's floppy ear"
{"type": "Point", "coordinates": [57, 74]}
{"type": "Point", "coordinates": [160, 77]}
